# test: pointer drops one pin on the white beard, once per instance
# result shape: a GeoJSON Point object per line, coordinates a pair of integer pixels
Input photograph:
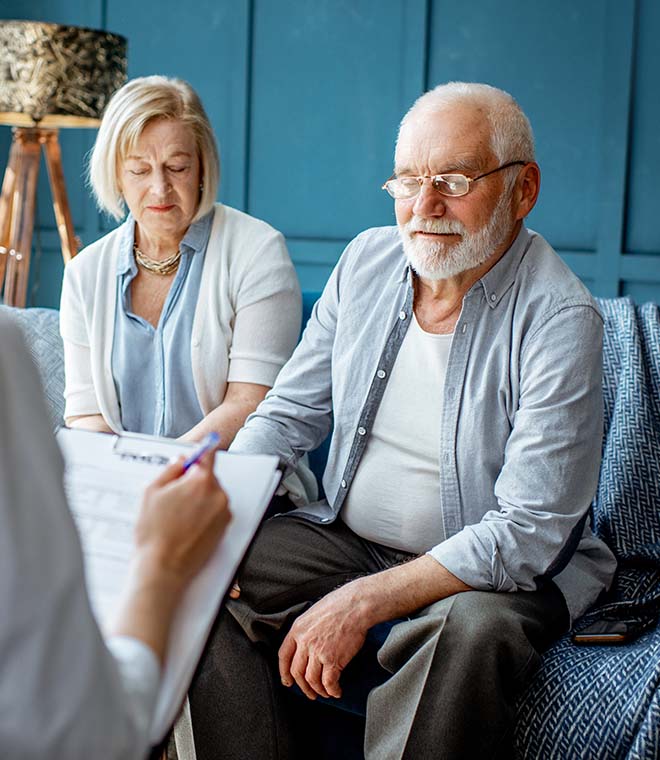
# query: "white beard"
{"type": "Point", "coordinates": [435, 260]}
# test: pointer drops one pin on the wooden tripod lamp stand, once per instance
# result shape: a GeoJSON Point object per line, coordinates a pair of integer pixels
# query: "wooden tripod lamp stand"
{"type": "Point", "coordinates": [52, 76]}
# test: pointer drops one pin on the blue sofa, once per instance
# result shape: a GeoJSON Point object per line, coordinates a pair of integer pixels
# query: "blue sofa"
{"type": "Point", "coordinates": [590, 703]}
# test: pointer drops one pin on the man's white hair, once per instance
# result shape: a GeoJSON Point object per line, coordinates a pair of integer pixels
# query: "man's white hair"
{"type": "Point", "coordinates": [511, 133]}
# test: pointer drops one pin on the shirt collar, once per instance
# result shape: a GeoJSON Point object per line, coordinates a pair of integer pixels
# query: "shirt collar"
{"type": "Point", "coordinates": [497, 281]}
{"type": "Point", "coordinates": [194, 241]}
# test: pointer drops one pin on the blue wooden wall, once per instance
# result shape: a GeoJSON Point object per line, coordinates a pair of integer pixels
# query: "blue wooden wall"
{"type": "Point", "coordinates": [306, 96]}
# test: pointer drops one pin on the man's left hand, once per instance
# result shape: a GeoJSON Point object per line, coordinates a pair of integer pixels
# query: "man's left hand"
{"type": "Point", "coordinates": [321, 642]}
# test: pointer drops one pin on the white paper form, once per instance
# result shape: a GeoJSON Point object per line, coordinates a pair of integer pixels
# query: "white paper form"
{"type": "Point", "coordinates": [104, 480]}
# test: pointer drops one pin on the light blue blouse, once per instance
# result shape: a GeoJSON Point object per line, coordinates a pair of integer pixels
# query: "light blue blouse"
{"type": "Point", "coordinates": [151, 366]}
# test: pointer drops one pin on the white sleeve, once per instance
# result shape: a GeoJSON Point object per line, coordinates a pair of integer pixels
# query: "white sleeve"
{"type": "Point", "coordinates": [268, 309]}
{"type": "Point", "coordinates": [79, 393]}
{"type": "Point", "coordinates": [63, 694]}
{"type": "Point", "coordinates": [140, 674]}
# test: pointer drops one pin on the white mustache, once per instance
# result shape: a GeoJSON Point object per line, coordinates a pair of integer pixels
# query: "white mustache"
{"type": "Point", "coordinates": [437, 226]}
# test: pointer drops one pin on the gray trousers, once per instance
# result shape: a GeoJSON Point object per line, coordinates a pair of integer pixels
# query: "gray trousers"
{"type": "Point", "coordinates": [457, 665]}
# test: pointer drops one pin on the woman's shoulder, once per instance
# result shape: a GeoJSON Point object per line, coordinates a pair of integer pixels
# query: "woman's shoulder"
{"type": "Point", "coordinates": [99, 254]}
{"type": "Point", "coordinates": [237, 224]}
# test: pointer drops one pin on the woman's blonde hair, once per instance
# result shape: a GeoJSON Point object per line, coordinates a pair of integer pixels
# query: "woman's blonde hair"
{"type": "Point", "coordinates": [130, 109]}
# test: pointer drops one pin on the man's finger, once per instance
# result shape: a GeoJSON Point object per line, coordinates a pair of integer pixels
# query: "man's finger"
{"type": "Point", "coordinates": [235, 590]}
{"type": "Point", "coordinates": [285, 655]}
{"type": "Point", "coordinates": [298, 669]}
{"type": "Point", "coordinates": [330, 680]}
{"type": "Point", "coordinates": [313, 676]}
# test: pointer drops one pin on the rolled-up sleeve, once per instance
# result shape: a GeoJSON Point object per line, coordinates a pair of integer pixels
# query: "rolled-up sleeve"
{"type": "Point", "coordinates": [551, 461]}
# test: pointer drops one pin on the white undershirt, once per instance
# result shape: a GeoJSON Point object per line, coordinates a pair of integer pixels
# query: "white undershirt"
{"type": "Point", "coordinates": [394, 498]}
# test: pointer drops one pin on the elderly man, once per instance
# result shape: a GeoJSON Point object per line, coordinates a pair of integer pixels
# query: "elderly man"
{"type": "Point", "coordinates": [461, 362]}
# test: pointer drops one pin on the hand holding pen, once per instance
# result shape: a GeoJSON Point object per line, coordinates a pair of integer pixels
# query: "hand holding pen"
{"type": "Point", "coordinates": [209, 443]}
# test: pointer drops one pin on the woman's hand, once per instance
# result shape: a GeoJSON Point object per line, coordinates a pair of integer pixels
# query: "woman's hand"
{"type": "Point", "coordinates": [182, 518]}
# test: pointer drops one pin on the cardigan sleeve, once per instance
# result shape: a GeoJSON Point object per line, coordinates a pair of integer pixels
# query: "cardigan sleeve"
{"type": "Point", "coordinates": [268, 311]}
{"type": "Point", "coordinates": [79, 393]}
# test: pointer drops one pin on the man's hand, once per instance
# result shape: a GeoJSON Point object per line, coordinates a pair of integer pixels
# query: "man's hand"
{"type": "Point", "coordinates": [322, 642]}
{"type": "Point", "coordinates": [325, 639]}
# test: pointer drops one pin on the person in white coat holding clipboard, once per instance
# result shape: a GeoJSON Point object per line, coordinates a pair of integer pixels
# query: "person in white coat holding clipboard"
{"type": "Point", "coordinates": [65, 693]}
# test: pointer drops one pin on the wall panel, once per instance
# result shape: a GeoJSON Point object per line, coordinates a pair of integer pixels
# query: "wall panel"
{"type": "Point", "coordinates": [330, 81]}
{"type": "Point", "coordinates": [643, 230]}
{"type": "Point", "coordinates": [306, 95]}
{"type": "Point", "coordinates": [539, 57]}
{"type": "Point", "coordinates": [206, 44]}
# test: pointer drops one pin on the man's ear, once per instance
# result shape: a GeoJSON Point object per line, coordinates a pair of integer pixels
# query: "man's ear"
{"type": "Point", "coordinates": [527, 189]}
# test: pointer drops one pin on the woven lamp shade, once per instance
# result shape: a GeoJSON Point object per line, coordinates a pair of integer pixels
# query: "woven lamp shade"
{"type": "Point", "coordinates": [57, 76]}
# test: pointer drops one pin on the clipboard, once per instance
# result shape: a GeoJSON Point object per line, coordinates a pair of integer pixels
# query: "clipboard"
{"type": "Point", "coordinates": [105, 476]}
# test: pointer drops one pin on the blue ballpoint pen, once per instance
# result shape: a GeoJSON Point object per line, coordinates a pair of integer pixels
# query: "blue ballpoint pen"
{"type": "Point", "coordinates": [210, 442]}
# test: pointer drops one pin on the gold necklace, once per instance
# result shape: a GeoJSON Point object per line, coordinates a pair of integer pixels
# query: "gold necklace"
{"type": "Point", "coordinates": [165, 267]}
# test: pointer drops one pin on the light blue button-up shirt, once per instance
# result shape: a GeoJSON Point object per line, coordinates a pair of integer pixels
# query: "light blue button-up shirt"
{"type": "Point", "coordinates": [151, 366]}
{"type": "Point", "coordinates": [519, 436]}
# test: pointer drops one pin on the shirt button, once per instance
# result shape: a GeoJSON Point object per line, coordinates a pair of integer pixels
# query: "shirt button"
{"type": "Point", "coordinates": [381, 373]}
{"type": "Point", "coordinates": [361, 431]}
{"type": "Point", "coordinates": [343, 484]}
{"type": "Point", "coordinates": [402, 315]}
{"type": "Point", "coordinates": [196, 343]}
{"type": "Point", "coordinates": [493, 297]}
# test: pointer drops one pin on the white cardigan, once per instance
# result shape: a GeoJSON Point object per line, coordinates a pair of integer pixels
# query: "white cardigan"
{"type": "Point", "coordinates": [246, 322]}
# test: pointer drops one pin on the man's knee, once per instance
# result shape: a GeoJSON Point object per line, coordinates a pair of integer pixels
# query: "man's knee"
{"type": "Point", "coordinates": [472, 625]}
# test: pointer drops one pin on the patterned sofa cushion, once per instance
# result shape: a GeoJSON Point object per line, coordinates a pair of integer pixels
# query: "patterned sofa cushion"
{"type": "Point", "coordinates": [42, 333]}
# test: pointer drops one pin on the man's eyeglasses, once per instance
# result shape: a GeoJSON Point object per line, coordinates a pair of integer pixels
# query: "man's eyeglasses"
{"type": "Point", "coordinates": [453, 185]}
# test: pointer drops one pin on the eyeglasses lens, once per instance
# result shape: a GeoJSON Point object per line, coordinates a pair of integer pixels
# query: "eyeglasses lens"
{"type": "Point", "coordinates": [403, 188]}
{"type": "Point", "coordinates": [451, 184]}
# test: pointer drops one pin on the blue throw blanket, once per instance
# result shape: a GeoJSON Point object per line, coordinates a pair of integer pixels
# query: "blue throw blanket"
{"type": "Point", "coordinates": [603, 702]}
{"type": "Point", "coordinates": [626, 509]}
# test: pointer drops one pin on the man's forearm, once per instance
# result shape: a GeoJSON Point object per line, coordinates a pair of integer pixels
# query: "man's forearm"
{"type": "Point", "coordinates": [401, 590]}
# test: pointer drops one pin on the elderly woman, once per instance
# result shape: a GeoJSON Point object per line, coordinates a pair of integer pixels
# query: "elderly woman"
{"type": "Point", "coordinates": [177, 322]}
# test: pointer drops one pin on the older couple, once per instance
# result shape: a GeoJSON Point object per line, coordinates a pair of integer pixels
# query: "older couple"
{"type": "Point", "coordinates": [459, 362]}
